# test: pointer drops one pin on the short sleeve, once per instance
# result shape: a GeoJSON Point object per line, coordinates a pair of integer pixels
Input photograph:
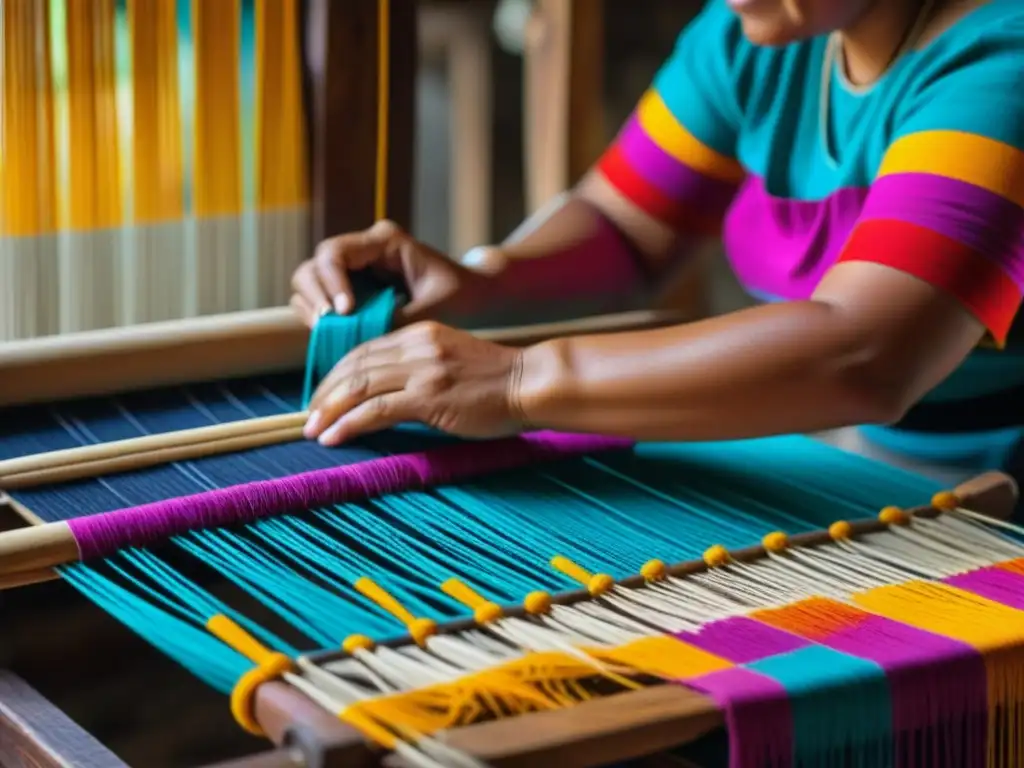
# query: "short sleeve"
{"type": "Point", "coordinates": [947, 202]}
{"type": "Point", "coordinates": [675, 158]}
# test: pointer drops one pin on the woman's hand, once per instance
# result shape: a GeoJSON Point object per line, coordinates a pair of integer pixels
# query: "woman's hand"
{"type": "Point", "coordinates": [427, 373]}
{"type": "Point", "coordinates": [435, 282]}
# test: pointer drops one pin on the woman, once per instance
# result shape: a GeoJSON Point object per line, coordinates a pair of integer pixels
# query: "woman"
{"type": "Point", "coordinates": [863, 162]}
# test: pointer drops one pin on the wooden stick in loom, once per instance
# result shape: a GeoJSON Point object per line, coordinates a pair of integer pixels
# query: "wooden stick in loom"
{"type": "Point", "coordinates": [182, 445]}
{"type": "Point", "coordinates": [611, 729]}
{"type": "Point", "coordinates": [238, 344]}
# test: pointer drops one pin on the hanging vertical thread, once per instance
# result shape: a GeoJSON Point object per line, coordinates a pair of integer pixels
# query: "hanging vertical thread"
{"type": "Point", "coordinates": [154, 286]}
{"type": "Point", "coordinates": [92, 244]}
{"type": "Point", "coordinates": [29, 296]}
{"type": "Point", "coordinates": [215, 276]}
{"type": "Point", "coordinates": [281, 204]}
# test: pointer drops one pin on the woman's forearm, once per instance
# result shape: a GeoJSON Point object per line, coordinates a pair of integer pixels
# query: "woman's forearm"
{"type": "Point", "coordinates": [587, 246]}
{"type": "Point", "coordinates": [569, 254]}
{"type": "Point", "coordinates": [797, 367]}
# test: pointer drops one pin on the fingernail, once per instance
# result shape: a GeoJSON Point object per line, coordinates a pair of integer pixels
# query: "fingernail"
{"type": "Point", "coordinates": [474, 257]}
{"type": "Point", "coordinates": [341, 304]}
{"type": "Point", "coordinates": [331, 436]}
{"type": "Point", "coordinates": [325, 309]}
{"type": "Point", "coordinates": [312, 423]}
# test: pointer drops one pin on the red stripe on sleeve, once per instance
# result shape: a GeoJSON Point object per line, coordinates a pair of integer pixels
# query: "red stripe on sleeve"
{"type": "Point", "coordinates": [680, 217]}
{"type": "Point", "coordinates": [978, 282]}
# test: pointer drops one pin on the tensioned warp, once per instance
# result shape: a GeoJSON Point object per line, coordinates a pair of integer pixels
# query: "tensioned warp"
{"type": "Point", "coordinates": [610, 512]}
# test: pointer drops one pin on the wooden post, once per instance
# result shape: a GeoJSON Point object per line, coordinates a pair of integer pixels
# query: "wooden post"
{"type": "Point", "coordinates": [563, 109]}
{"type": "Point", "coordinates": [459, 33]}
{"type": "Point", "coordinates": [341, 54]}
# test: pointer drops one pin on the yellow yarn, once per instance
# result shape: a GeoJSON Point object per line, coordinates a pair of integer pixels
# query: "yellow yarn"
{"type": "Point", "coordinates": [840, 530]}
{"type": "Point", "coordinates": [534, 683]}
{"type": "Point", "coordinates": [663, 657]}
{"type": "Point", "coordinates": [995, 630]}
{"type": "Point", "coordinates": [893, 516]}
{"type": "Point", "coordinates": [654, 570]}
{"type": "Point", "coordinates": [716, 556]}
{"type": "Point", "coordinates": [354, 643]}
{"type": "Point", "coordinates": [945, 500]}
{"type": "Point", "coordinates": [269, 666]}
{"type": "Point", "coordinates": [537, 603]}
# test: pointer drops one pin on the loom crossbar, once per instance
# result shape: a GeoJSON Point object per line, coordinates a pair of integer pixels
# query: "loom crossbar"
{"type": "Point", "coordinates": [621, 726]}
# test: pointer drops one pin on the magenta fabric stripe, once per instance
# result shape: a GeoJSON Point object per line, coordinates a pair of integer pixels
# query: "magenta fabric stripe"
{"type": "Point", "coordinates": [758, 716]}
{"type": "Point", "coordinates": [995, 584]}
{"type": "Point", "coordinates": [675, 179]}
{"type": "Point", "coordinates": [979, 219]}
{"type": "Point", "coordinates": [784, 247]}
{"type": "Point", "coordinates": [104, 534]}
{"type": "Point", "coordinates": [742, 640]}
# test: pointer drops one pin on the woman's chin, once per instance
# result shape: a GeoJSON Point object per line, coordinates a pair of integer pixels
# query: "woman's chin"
{"type": "Point", "coordinates": [769, 33]}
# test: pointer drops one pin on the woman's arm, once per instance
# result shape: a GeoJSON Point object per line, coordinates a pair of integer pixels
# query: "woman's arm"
{"type": "Point", "coordinates": [869, 344]}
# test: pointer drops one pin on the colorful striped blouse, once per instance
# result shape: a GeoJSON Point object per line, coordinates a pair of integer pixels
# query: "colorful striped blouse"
{"type": "Point", "coordinates": [925, 172]}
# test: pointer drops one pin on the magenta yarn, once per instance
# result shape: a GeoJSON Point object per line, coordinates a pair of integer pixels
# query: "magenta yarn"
{"type": "Point", "coordinates": [104, 534]}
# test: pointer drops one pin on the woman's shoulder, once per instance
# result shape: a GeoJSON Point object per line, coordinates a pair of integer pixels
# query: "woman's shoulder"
{"type": "Point", "coordinates": [969, 75]}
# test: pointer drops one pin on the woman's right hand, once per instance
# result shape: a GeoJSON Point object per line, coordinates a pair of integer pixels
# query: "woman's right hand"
{"type": "Point", "coordinates": [435, 283]}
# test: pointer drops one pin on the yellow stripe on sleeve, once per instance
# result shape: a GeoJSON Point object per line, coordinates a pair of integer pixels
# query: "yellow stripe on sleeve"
{"type": "Point", "coordinates": [967, 157]}
{"type": "Point", "coordinates": [669, 134]}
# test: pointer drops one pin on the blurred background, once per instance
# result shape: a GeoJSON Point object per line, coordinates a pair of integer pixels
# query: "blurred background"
{"type": "Point", "coordinates": [151, 151]}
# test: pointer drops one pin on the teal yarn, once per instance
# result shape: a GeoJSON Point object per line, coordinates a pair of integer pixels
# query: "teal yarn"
{"type": "Point", "coordinates": [840, 704]}
{"type": "Point", "coordinates": [334, 336]}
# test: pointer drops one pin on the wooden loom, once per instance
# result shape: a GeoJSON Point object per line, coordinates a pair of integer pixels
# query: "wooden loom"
{"type": "Point", "coordinates": [622, 726]}
{"type": "Point", "coordinates": [248, 343]}
{"type": "Point", "coordinates": [154, 355]}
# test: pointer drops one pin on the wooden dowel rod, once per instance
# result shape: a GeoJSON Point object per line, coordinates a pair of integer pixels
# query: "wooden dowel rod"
{"type": "Point", "coordinates": [27, 578]}
{"type": "Point", "coordinates": [129, 462]}
{"type": "Point", "coordinates": [182, 445]}
{"type": "Point", "coordinates": [121, 448]}
{"type": "Point", "coordinates": [250, 343]}
{"type": "Point", "coordinates": [37, 548]}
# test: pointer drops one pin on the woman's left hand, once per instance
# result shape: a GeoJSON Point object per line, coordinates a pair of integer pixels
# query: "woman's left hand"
{"type": "Point", "coordinates": [428, 373]}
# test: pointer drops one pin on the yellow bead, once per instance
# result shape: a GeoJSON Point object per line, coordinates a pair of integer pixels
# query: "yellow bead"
{"type": "Point", "coordinates": [537, 603]}
{"type": "Point", "coordinates": [840, 530]}
{"type": "Point", "coordinates": [893, 516]}
{"type": "Point", "coordinates": [945, 500]}
{"type": "Point", "coordinates": [775, 542]}
{"type": "Point", "coordinates": [487, 613]}
{"type": "Point", "coordinates": [716, 556]}
{"type": "Point", "coordinates": [654, 570]}
{"type": "Point", "coordinates": [421, 629]}
{"type": "Point", "coordinates": [599, 584]}
{"type": "Point", "coordinates": [354, 643]}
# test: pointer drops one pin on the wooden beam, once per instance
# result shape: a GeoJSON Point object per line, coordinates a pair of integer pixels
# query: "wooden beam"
{"type": "Point", "coordinates": [563, 95]}
{"type": "Point", "coordinates": [35, 734]}
{"type": "Point", "coordinates": [341, 52]}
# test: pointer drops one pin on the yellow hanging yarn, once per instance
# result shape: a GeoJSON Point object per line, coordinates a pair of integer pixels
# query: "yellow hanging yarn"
{"type": "Point", "coordinates": [536, 682]}
{"type": "Point", "coordinates": [419, 629]}
{"type": "Point", "coordinates": [269, 666]}
{"type": "Point", "coordinates": [597, 584]}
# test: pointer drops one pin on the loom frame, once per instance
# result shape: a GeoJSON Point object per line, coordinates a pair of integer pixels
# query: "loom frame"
{"type": "Point", "coordinates": [623, 726]}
